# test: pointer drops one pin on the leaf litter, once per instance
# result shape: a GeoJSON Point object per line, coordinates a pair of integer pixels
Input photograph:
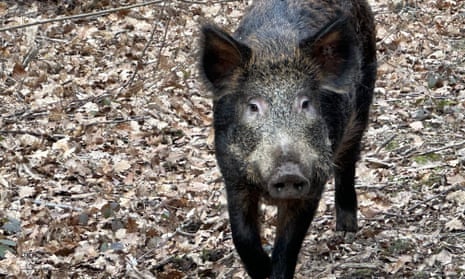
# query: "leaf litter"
{"type": "Point", "coordinates": [107, 166]}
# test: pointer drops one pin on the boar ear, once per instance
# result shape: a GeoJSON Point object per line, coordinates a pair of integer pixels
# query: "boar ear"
{"type": "Point", "coordinates": [221, 55]}
{"type": "Point", "coordinates": [333, 50]}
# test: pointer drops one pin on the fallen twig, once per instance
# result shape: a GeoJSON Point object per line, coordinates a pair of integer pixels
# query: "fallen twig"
{"type": "Point", "coordinates": [35, 134]}
{"type": "Point", "coordinates": [149, 41]}
{"type": "Point", "coordinates": [378, 163]}
{"type": "Point", "coordinates": [25, 114]}
{"type": "Point", "coordinates": [165, 34]}
{"type": "Point", "coordinates": [181, 232]}
{"type": "Point", "coordinates": [133, 271]}
{"type": "Point", "coordinates": [354, 265]}
{"type": "Point", "coordinates": [115, 121]}
{"type": "Point", "coordinates": [386, 142]}
{"type": "Point", "coordinates": [56, 205]}
{"type": "Point", "coordinates": [445, 192]}
{"type": "Point", "coordinates": [163, 262]}
{"type": "Point", "coordinates": [80, 16]}
{"type": "Point", "coordinates": [457, 144]}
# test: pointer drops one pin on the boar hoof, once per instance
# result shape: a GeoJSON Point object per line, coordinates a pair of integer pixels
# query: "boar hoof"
{"type": "Point", "coordinates": [346, 221]}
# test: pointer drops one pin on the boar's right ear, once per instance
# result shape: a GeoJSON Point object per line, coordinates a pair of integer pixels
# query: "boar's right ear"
{"type": "Point", "coordinates": [333, 49]}
{"type": "Point", "coordinates": [221, 55]}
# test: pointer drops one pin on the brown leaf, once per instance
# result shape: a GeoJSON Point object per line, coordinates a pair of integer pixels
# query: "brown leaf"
{"type": "Point", "coordinates": [18, 71]}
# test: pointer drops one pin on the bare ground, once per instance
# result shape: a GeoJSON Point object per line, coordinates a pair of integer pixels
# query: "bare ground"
{"type": "Point", "coordinates": [106, 161]}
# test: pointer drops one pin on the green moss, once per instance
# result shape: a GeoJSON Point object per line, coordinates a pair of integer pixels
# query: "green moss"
{"type": "Point", "coordinates": [441, 104]}
{"type": "Point", "coordinates": [399, 246]}
{"type": "Point", "coordinates": [393, 145]}
{"type": "Point", "coordinates": [106, 102]}
{"type": "Point", "coordinates": [362, 273]}
{"type": "Point", "coordinates": [433, 179]}
{"type": "Point", "coordinates": [421, 275]}
{"type": "Point", "coordinates": [186, 74]}
{"type": "Point", "coordinates": [359, 273]}
{"type": "Point", "coordinates": [426, 158]}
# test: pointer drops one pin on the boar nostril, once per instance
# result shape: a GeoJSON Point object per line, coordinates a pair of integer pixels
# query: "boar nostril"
{"type": "Point", "coordinates": [288, 185]}
{"type": "Point", "coordinates": [299, 186]}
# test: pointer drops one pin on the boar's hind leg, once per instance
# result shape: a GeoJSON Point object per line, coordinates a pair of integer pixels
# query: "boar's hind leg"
{"type": "Point", "coordinates": [243, 216]}
{"type": "Point", "coordinates": [346, 199]}
{"type": "Point", "coordinates": [293, 223]}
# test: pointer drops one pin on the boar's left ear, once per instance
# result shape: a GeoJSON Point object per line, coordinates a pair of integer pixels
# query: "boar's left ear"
{"type": "Point", "coordinates": [333, 50]}
{"type": "Point", "coordinates": [221, 55]}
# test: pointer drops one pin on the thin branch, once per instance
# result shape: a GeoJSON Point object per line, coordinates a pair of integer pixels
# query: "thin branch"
{"type": "Point", "coordinates": [115, 121]}
{"type": "Point", "coordinates": [35, 134]}
{"type": "Point", "coordinates": [378, 163]}
{"type": "Point", "coordinates": [29, 114]}
{"type": "Point", "coordinates": [56, 205]}
{"type": "Point", "coordinates": [56, 137]}
{"type": "Point", "coordinates": [206, 2]}
{"type": "Point", "coordinates": [453, 145]}
{"type": "Point", "coordinates": [164, 262]}
{"type": "Point", "coordinates": [386, 142]}
{"type": "Point", "coordinates": [163, 44]}
{"type": "Point", "coordinates": [94, 99]}
{"type": "Point", "coordinates": [354, 265]}
{"type": "Point", "coordinates": [80, 16]}
{"type": "Point", "coordinates": [139, 61]}
{"type": "Point", "coordinates": [445, 192]}
{"type": "Point", "coordinates": [181, 232]}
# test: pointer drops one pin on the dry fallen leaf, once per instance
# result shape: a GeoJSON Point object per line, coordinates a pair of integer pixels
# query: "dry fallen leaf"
{"type": "Point", "coordinates": [121, 165]}
{"type": "Point", "coordinates": [26, 191]}
{"type": "Point", "coordinates": [455, 225]}
{"type": "Point", "coordinates": [457, 179]}
{"type": "Point", "coordinates": [18, 71]}
{"type": "Point", "coordinates": [399, 264]}
{"type": "Point", "coordinates": [457, 197]}
{"type": "Point", "coordinates": [416, 125]}
{"type": "Point", "coordinates": [444, 257]}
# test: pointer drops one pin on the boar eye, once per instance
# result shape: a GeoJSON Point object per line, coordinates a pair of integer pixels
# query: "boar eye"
{"type": "Point", "coordinates": [305, 104]}
{"type": "Point", "coordinates": [253, 107]}
{"type": "Point", "coordinates": [256, 107]}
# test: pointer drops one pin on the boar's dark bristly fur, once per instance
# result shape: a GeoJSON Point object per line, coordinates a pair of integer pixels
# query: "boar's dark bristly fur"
{"type": "Point", "coordinates": [292, 88]}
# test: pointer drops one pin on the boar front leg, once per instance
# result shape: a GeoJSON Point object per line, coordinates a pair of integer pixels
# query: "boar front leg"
{"type": "Point", "coordinates": [243, 216]}
{"type": "Point", "coordinates": [293, 222]}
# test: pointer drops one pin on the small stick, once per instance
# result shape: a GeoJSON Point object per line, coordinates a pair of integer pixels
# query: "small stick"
{"type": "Point", "coordinates": [139, 61]}
{"type": "Point", "coordinates": [386, 142]}
{"type": "Point", "coordinates": [115, 121]}
{"type": "Point", "coordinates": [56, 205]}
{"type": "Point", "coordinates": [438, 149]}
{"type": "Point", "coordinates": [456, 187]}
{"type": "Point", "coordinates": [80, 16]}
{"type": "Point", "coordinates": [35, 134]}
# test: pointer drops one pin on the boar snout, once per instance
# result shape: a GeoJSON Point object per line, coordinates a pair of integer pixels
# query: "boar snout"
{"type": "Point", "coordinates": [288, 182]}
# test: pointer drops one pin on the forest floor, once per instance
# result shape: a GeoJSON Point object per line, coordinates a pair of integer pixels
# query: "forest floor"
{"type": "Point", "coordinates": [107, 167]}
